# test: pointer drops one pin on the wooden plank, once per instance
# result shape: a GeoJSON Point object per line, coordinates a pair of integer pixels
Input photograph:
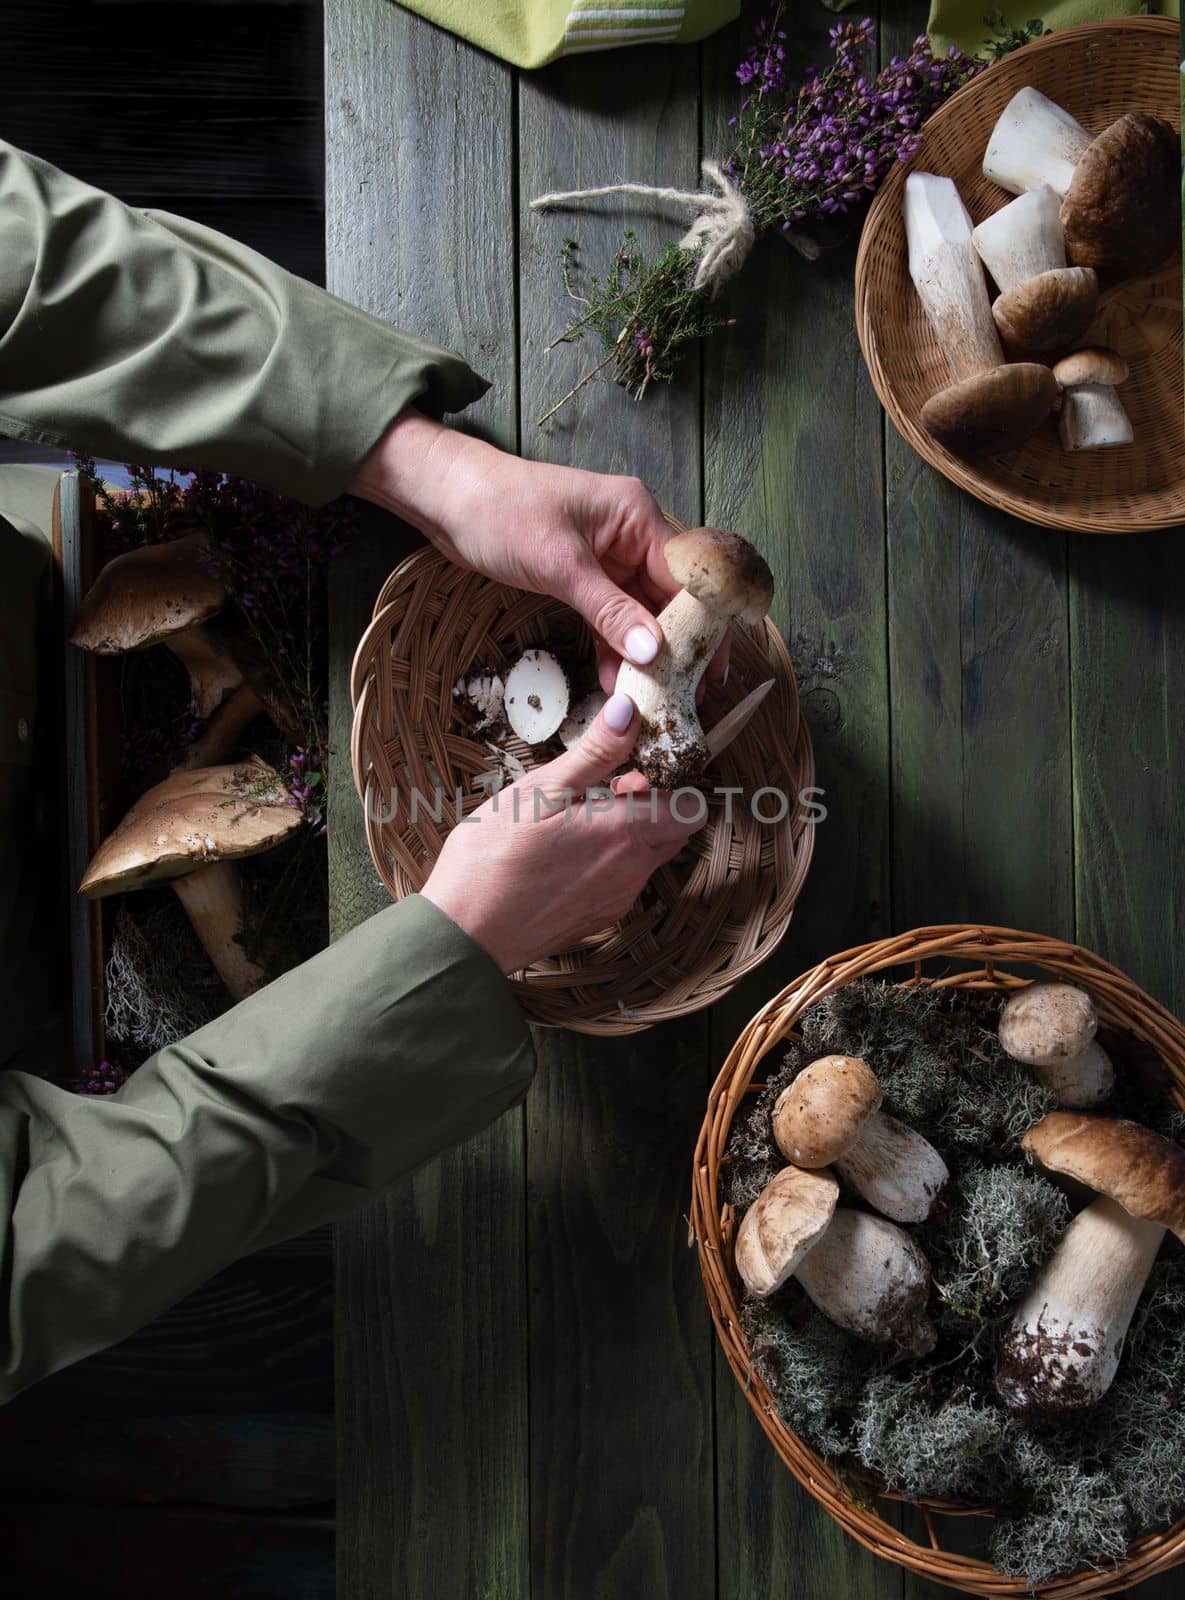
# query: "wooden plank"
{"type": "Point", "coordinates": [621, 1451]}
{"type": "Point", "coordinates": [794, 463]}
{"type": "Point", "coordinates": [142, 1552]}
{"type": "Point", "coordinates": [431, 1324]}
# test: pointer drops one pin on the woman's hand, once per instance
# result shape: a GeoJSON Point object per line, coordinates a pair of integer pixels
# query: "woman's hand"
{"type": "Point", "coordinates": [537, 867]}
{"type": "Point", "coordinates": [593, 541]}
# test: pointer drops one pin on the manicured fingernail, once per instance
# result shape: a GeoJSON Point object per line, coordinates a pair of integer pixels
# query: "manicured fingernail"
{"type": "Point", "coordinates": [618, 712]}
{"type": "Point", "coordinates": [640, 645]}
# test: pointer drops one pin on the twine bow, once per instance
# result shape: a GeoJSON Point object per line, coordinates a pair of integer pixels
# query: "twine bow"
{"type": "Point", "coordinates": [722, 230]}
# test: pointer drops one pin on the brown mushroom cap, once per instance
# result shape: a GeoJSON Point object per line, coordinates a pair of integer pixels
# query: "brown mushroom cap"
{"type": "Point", "coordinates": [193, 817]}
{"type": "Point", "coordinates": [148, 594]}
{"type": "Point", "coordinates": [1049, 312]}
{"type": "Point", "coordinates": [821, 1114]}
{"type": "Point", "coordinates": [1091, 366]}
{"type": "Point", "coordinates": [1140, 1170]}
{"type": "Point", "coordinates": [1044, 1023]}
{"type": "Point", "coordinates": [723, 571]}
{"type": "Point", "coordinates": [994, 410]}
{"type": "Point", "coordinates": [790, 1215]}
{"type": "Point", "coordinates": [1122, 211]}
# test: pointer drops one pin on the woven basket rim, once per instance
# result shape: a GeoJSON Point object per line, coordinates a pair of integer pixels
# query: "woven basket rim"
{"type": "Point", "coordinates": [885, 212]}
{"type": "Point", "coordinates": [740, 924]}
{"type": "Point", "coordinates": [991, 952]}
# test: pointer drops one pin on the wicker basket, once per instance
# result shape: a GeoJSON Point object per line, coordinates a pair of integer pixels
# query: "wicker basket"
{"type": "Point", "coordinates": [1097, 72]}
{"type": "Point", "coordinates": [708, 917]}
{"type": "Point", "coordinates": [968, 958]}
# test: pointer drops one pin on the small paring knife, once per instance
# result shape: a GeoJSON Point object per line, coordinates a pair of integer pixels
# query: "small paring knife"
{"type": "Point", "coordinates": [732, 722]}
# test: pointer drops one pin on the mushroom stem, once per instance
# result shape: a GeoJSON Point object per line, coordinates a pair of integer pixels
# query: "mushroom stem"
{"type": "Point", "coordinates": [894, 1168]}
{"type": "Point", "coordinates": [213, 671]}
{"type": "Point", "coordinates": [664, 692]}
{"type": "Point", "coordinates": [1093, 418]}
{"type": "Point", "coordinates": [1034, 142]}
{"type": "Point", "coordinates": [868, 1276]}
{"type": "Point", "coordinates": [948, 275]}
{"type": "Point", "coordinates": [1023, 239]}
{"type": "Point", "coordinates": [221, 738]}
{"type": "Point", "coordinates": [1063, 1347]}
{"type": "Point", "coordinates": [213, 902]}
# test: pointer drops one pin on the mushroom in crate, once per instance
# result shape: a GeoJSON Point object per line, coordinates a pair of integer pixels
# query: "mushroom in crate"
{"type": "Point", "coordinates": [1051, 1028]}
{"type": "Point", "coordinates": [723, 577]}
{"type": "Point", "coordinates": [862, 1272]}
{"type": "Point", "coordinates": [1063, 1348]}
{"type": "Point", "coordinates": [830, 1115]}
{"type": "Point", "coordinates": [189, 832]}
{"type": "Point", "coordinates": [1093, 416]}
{"type": "Point", "coordinates": [990, 405]}
{"type": "Point", "coordinates": [1043, 304]}
{"type": "Point", "coordinates": [1120, 196]}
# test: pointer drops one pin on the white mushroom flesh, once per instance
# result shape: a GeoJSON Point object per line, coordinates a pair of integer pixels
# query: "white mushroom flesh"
{"type": "Point", "coordinates": [581, 717]}
{"type": "Point", "coordinates": [868, 1276]}
{"type": "Point", "coordinates": [536, 696]}
{"type": "Point", "coordinates": [1023, 239]}
{"type": "Point", "coordinates": [948, 274]}
{"type": "Point", "coordinates": [1062, 1350]}
{"type": "Point", "coordinates": [1093, 418]}
{"type": "Point", "coordinates": [1034, 142]}
{"type": "Point", "coordinates": [895, 1168]}
{"type": "Point", "coordinates": [664, 691]}
{"type": "Point", "coordinates": [1086, 1079]}
{"type": "Point", "coordinates": [484, 693]}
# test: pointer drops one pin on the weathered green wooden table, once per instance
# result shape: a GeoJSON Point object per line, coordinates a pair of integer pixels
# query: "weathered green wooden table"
{"type": "Point", "coordinates": [529, 1398]}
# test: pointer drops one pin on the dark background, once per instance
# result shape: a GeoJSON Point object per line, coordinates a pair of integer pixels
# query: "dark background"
{"type": "Point", "coordinates": [198, 1458]}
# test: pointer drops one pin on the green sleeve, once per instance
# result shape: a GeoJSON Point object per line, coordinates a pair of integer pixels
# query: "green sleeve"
{"type": "Point", "coordinates": [140, 336]}
{"type": "Point", "coordinates": [304, 1101]}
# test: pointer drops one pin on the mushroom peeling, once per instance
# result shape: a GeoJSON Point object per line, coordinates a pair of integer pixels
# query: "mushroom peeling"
{"type": "Point", "coordinates": [536, 696]}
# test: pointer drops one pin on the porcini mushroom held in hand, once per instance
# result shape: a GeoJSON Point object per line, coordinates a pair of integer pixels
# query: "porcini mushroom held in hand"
{"type": "Point", "coordinates": [1043, 304]}
{"type": "Point", "coordinates": [1051, 1028]}
{"type": "Point", "coordinates": [990, 405]}
{"type": "Point", "coordinates": [188, 832]}
{"type": "Point", "coordinates": [830, 1116]}
{"type": "Point", "coordinates": [1093, 416]}
{"type": "Point", "coordinates": [1121, 206]}
{"type": "Point", "coordinates": [162, 594]}
{"type": "Point", "coordinates": [862, 1272]}
{"type": "Point", "coordinates": [1061, 1352]}
{"type": "Point", "coordinates": [723, 578]}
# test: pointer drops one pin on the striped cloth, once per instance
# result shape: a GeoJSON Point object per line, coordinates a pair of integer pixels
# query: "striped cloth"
{"type": "Point", "coordinates": [532, 32]}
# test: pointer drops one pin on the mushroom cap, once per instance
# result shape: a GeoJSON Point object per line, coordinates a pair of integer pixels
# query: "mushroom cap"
{"type": "Point", "coordinates": [790, 1215]}
{"type": "Point", "coordinates": [1140, 1170]}
{"type": "Point", "coordinates": [1044, 1023]}
{"type": "Point", "coordinates": [994, 410]}
{"type": "Point", "coordinates": [1049, 312]}
{"type": "Point", "coordinates": [821, 1114]}
{"type": "Point", "coordinates": [1122, 211]}
{"type": "Point", "coordinates": [723, 571]}
{"type": "Point", "coordinates": [193, 817]}
{"type": "Point", "coordinates": [1091, 366]}
{"type": "Point", "coordinates": [147, 594]}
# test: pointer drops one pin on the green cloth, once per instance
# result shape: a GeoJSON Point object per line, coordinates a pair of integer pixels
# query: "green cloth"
{"type": "Point", "coordinates": [141, 336]}
{"type": "Point", "coordinates": [530, 33]}
{"type": "Point", "coordinates": [961, 21]}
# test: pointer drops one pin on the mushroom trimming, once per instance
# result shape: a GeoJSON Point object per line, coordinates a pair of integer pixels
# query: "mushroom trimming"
{"type": "Point", "coordinates": [723, 577]}
{"type": "Point", "coordinates": [863, 1272]}
{"type": "Point", "coordinates": [536, 696]}
{"type": "Point", "coordinates": [1093, 415]}
{"type": "Point", "coordinates": [1061, 1352]}
{"type": "Point", "coordinates": [163, 594]}
{"type": "Point", "coordinates": [990, 405]}
{"type": "Point", "coordinates": [830, 1116]}
{"type": "Point", "coordinates": [189, 832]}
{"type": "Point", "coordinates": [1121, 205]}
{"type": "Point", "coordinates": [1043, 304]}
{"type": "Point", "coordinates": [1051, 1028]}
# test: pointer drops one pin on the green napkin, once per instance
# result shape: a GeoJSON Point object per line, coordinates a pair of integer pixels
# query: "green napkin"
{"type": "Point", "coordinates": [531, 32]}
{"type": "Point", "coordinates": [962, 22]}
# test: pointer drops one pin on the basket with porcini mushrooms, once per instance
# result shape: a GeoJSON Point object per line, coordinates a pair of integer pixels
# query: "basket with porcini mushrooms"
{"type": "Point", "coordinates": [461, 685]}
{"type": "Point", "coordinates": [1018, 283]}
{"type": "Point", "coordinates": [939, 1203]}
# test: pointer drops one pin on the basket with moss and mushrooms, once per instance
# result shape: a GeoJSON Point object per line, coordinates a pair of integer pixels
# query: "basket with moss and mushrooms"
{"type": "Point", "coordinates": [938, 1216]}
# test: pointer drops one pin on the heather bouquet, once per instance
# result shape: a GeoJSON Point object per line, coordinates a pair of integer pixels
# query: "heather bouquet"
{"type": "Point", "coordinates": [804, 154]}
